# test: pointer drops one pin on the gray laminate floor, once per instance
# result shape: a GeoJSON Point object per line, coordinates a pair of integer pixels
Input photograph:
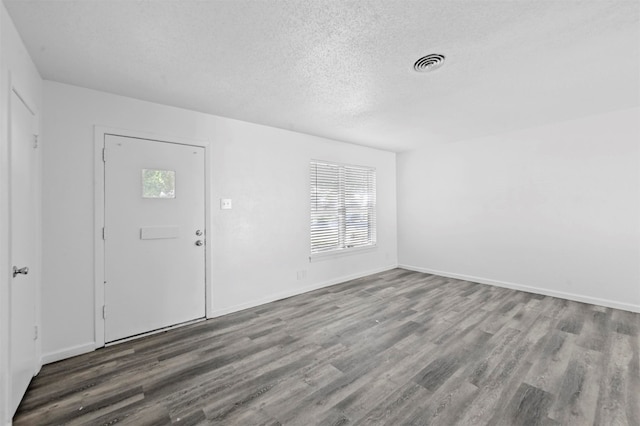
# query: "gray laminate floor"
{"type": "Point", "coordinates": [394, 348]}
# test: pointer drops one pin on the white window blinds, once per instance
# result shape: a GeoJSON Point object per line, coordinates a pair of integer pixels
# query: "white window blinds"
{"type": "Point", "coordinates": [343, 207]}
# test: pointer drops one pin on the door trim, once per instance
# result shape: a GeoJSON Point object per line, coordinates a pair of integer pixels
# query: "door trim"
{"type": "Point", "coordinates": [100, 133]}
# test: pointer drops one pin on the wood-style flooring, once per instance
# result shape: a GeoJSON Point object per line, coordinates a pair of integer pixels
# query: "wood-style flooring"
{"type": "Point", "coordinates": [395, 348]}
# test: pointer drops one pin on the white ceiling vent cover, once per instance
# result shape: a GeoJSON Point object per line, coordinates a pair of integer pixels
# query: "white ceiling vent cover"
{"type": "Point", "coordinates": [429, 63]}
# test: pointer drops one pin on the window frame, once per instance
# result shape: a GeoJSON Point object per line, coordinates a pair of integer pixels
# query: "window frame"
{"type": "Point", "coordinates": [342, 211]}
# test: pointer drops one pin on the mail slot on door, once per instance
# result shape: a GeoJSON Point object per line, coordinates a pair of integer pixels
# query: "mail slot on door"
{"type": "Point", "coordinates": [159, 232]}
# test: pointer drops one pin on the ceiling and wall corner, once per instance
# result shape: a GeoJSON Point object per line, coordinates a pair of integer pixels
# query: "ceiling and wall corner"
{"type": "Point", "coordinates": [344, 70]}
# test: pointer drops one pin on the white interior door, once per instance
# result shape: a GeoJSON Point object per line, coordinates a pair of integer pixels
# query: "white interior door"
{"type": "Point", "coordinates": [154, 235]}
{"type": "Point", "coordinates": [23, 249]}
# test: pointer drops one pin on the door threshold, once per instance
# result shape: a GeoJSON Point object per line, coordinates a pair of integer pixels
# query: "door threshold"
{"type": "Point", "coordinates": [151, 333]}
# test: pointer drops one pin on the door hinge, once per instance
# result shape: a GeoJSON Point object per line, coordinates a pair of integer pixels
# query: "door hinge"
{"type": "Point", "coordinates": [104, 155]}
{"type": "Point", "coordinates": [35, 141]}
{"type": "Point", "coordinates": [35, 332]}
{"type": "Point", "coordinates": [104, 233]}
{"type": "Point", "coordinates": [104, 311]}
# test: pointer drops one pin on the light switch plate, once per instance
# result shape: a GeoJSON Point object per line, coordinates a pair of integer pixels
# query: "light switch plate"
{"type": "Point", "coordinates": [225, 203]}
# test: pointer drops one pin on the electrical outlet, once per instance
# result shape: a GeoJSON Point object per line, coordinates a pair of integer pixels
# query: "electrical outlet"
{"type": "Point", "coordinates": [225, 203]}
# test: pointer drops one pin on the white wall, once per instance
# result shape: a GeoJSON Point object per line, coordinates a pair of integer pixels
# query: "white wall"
{"type": "Point", "coordinates": [553, 209]}
{"type": "Point", "coordinates": [256, 248]}
{"type": "Point", "coordinates": [17, 70]}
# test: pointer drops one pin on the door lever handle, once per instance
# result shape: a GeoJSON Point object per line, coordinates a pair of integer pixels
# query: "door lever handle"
{"type": "Point", "coordinates": [23, 271]}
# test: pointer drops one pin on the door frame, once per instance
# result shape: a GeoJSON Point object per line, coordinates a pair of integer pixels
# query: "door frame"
{"type": "Point", "coordinates": [100, 132]}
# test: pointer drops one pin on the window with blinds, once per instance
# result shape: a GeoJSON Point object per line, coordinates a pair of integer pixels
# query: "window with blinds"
{"type": "Point", "coordinates": [343, 207]}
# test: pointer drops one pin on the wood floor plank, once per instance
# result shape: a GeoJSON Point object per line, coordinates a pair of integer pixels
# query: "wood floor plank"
{"type": "Point", "coordinates": [577, 394]}
{"type": "Point", "coordinates": [396, 404]}
{"type": "Point", "coordinates": [528, 407]}
{"type": "Point", "coordinates": [616, 405]}
{"type": "Point", "coordinates": [394, 348]}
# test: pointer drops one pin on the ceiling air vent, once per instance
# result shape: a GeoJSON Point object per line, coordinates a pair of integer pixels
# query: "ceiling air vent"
{"type": "Point", "coordinates": [429, 63]}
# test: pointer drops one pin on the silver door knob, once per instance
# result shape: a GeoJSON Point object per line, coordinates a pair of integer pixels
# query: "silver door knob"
{"type": "Point", "coordinates": [199, 243]}
{"type": "Point", "coordinates": [23, 271]}
{"type": "Point", "coordinates": [198, 232]}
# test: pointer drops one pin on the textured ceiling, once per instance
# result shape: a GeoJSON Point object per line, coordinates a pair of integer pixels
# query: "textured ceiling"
{"type": "Point", "coordinates": [343, 69]}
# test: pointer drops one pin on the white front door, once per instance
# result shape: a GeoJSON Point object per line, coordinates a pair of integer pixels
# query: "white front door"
{"type": "Point", "coordinates": [23, 249]}
{"type": "Point", "coordinates": [154, 235]}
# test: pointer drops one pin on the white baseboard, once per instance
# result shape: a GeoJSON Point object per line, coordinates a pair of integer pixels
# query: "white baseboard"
{"type": "Point", "coordinates": [68, 353]}
{"type": "Point", "coordinates": [295, 292]}
{"type": "Point", "coordinates": [50, 357]}
{"type": "Point", "coordinates": [546, 292]}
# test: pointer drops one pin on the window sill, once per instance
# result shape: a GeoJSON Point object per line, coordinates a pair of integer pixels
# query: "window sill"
{"type": "Point", "coordinates": [316, 257]}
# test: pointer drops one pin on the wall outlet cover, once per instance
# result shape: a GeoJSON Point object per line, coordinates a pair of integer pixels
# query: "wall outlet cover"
{"type": "Point", "coordinates": [225, 203]}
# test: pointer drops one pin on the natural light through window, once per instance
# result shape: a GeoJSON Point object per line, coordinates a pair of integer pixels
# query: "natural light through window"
{"type": "Point", "coordinates": [343, 207]}
{"type": "Point", "coordinates": [158, 183]}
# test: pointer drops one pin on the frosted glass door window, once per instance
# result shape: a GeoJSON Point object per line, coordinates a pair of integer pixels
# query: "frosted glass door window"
{"type": "Point", "coordinates": [158, 183]}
